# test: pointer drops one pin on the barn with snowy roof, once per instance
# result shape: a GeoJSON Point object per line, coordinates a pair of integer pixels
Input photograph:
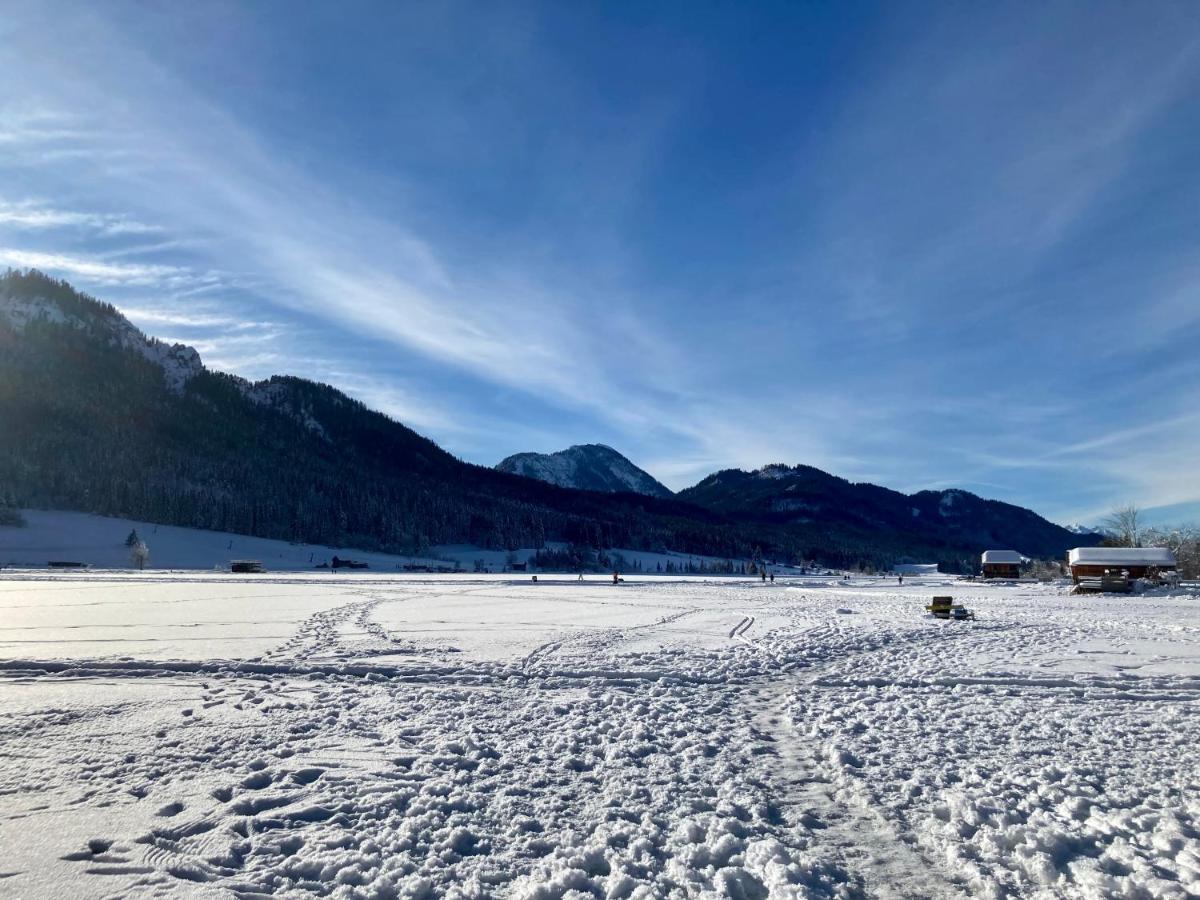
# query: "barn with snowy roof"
{"type": "Point", "coordinates": [1002, 563]}
{"type": "Point", "coordinates": [1134, 562]}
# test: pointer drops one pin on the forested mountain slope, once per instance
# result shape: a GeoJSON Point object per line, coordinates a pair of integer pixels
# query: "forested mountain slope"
{"type": "Point", "coordinates": [95, 420]}
{"type": "Point", "coordinates": [99, 418]}
{"type": "Point", "coordinates": [807, 499]}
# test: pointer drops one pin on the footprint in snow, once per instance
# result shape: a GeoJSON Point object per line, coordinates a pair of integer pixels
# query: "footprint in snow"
{"type": "Point", "coordinates": [257, 781]}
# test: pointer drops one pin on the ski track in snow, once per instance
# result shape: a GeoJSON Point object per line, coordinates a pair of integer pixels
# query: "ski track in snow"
{"type": "Point", "coordinates": [460, 737]}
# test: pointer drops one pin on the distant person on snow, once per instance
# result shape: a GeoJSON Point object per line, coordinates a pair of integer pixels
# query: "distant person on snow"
{"type": "Point", "coordinates": [616, 577]}
{"type": "Point", "coordinates": [764, 577]}
{"type": "Point", "coordinates": [900, 579]}
{"type": "Point", "coordinates": [772, 578]}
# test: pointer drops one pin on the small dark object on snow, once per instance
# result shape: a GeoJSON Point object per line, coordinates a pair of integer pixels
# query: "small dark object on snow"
{"type": "Point", "coordinates": [247, 566]}
{"type": "Point", "coordinates": [946, 608]}
{"type": "Point", "coordinates": [349, 564]}
{"type": "Point", "coordinates": [65, 564]}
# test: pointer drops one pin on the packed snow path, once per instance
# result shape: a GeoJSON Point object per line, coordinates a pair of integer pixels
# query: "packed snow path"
{"type": "Point", "coordinates": [184, 735]}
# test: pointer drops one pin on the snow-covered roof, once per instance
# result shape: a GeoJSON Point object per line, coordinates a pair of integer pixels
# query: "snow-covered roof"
{"type": "Point", "coordinates": [1121, 556]}
{"type": "Point", "coordinates": [1002, 556]}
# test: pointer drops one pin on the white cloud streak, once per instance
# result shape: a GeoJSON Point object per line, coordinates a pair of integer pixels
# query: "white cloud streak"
{"type": "Point", "coordinates": [96, 271]}
{"type": "Point", "coordinates": [39, 217]}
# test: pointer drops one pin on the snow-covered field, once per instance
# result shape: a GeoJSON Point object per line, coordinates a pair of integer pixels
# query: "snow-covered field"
{"type": "Point", "coordinates": [99, 542]}
{"type": "Point", "coordinates": [371, 735]}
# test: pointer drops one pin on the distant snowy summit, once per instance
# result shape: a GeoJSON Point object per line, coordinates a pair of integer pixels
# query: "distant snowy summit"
{"type": "Point", "coordinates": [588, 467]}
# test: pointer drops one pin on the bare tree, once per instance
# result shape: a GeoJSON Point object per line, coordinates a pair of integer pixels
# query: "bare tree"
{"type": "Point", "coordinates": [139, 553]}
{"type": "Point", "coordinates": [1124, 526]}
{"type": "Point", "coordinates": [1184, 541]}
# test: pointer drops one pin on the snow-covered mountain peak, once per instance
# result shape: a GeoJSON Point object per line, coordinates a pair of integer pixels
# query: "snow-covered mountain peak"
{"type": "Point", "coordinates": [591, 467]}
{"type": "Point", "coordinates": [775, 471]}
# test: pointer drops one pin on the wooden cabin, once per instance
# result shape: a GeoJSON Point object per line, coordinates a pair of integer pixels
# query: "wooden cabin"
{"type": "Point", "coordinates": [1002, 563]}
{"type": "Point", "coordinates": [1131, 562]}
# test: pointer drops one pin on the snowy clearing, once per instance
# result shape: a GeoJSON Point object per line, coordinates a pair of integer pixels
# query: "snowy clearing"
{"type": "Point", "coordinates": [378, 736]}
{"type": "Point", "coordinates": [99, 542]}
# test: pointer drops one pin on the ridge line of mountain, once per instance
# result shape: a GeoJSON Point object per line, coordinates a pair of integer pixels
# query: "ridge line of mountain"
{"type": "Point", "coordinates": [202, 436]}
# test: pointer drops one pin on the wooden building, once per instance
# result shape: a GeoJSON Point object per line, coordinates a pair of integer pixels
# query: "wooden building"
{"type": "Point", "coordinates": [1130, 562]}
{"type": "Point", "coordinates": [1002, 563]}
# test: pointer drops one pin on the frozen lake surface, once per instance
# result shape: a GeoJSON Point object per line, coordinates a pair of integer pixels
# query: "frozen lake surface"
{"type": "Point", "coordinates": [310, 735]}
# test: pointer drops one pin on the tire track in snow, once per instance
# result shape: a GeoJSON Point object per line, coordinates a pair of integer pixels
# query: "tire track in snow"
{"type": "Point", "coordinates": [858, 839]}
{"type": "Point", "coordinates": [598, 641]}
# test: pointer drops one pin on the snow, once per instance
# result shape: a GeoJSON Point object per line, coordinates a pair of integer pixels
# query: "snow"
{"type": "Point", "coordinates": [276, 394]}
{"type": "Point", "coordinates": [946, 503]}
{"type": "Point", "coordinates": [1121, 556]}
{"type": "Point", "coordinates": [380, 735]}
{"type": "Point", "coordinates": [99, 541]}
{"type": "Point", "coordinates": [1011, 557]}
{"type": "Point", "coordinates": [178, 362]}
{"type": "Point", "coordinates": [578, 465]}
{"type": "Point", "coordinates": [774, 471]}
{"type": "Point", "coordinates": [20, 311]}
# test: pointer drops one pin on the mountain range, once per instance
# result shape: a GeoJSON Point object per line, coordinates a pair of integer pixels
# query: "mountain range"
{"type": "Point", "coordinates": [100, 418]}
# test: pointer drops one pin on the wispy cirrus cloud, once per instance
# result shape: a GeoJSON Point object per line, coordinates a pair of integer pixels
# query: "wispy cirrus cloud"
{"type": "Point", "coordinates": [97, 271]}
{"type": "Point", "coordinates": [34, 216]}
{"type": "Point", "coordinates": [160, 317]}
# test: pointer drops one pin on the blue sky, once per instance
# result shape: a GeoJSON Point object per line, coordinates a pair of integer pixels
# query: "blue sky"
{"type": "Point", "coordinates": [925, 245]}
